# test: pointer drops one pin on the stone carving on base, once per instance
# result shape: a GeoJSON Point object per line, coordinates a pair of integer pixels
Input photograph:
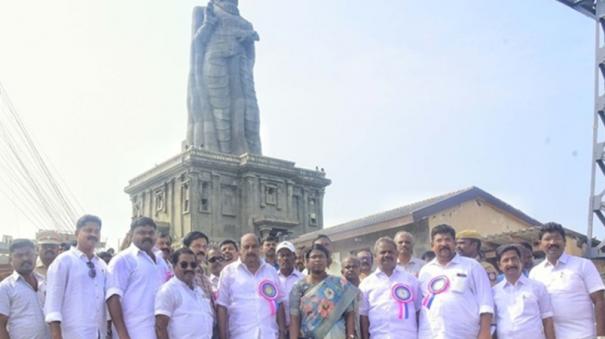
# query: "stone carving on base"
{"type": "Point", "coordinates": [223, 114]}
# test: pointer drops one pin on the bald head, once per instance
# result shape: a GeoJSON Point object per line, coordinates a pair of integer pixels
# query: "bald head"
{"type": "Point", "coordinates": [248, 237]}
{"type": "Point", "coordinates": [351, 269]}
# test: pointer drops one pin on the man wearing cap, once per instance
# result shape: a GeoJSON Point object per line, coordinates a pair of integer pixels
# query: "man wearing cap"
{"type": "Point", "coordinates": [288, 274]}
{"type": "Point", "coordinates": [405, 249]}
{"type": "Point", "coordinates": [468, 244]}
{"type": "Point", "coordinates": [22, 296]}
{"type": "Point", "coordinates": [48, 248]}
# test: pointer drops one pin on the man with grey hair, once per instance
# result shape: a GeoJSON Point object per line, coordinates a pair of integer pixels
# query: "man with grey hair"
{"type": "Point", "coordinates": [405, 249]}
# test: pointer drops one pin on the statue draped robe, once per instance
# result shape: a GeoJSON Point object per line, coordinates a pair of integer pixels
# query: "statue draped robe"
{"type": "Point", "coordinates": [223, 114]}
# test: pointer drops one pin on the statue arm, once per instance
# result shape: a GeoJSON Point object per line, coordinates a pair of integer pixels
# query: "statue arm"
{"type": "Point", "coordinates": [208, 23]}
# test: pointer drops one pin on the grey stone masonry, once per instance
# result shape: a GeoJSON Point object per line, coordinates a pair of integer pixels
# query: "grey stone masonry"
{"type": "Point", "coordinates": [225, 195]}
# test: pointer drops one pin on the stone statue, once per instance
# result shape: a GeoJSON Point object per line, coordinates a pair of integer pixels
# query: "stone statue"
{"type": "Point", "coordinates": [223, 111]}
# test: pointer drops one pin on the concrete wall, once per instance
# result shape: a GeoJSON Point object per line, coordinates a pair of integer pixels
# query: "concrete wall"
{"type": "Point", "coordinates": [355, 244]}
{"type": "Point", "coordinates": [477, 215]}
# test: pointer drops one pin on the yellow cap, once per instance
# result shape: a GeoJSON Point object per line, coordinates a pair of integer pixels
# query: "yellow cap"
{"type": "Point", "coordinates": [468, 234]}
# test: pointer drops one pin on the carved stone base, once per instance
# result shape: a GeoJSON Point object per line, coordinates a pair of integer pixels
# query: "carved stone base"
{"type": "Point", "coordinates": [226, 195]}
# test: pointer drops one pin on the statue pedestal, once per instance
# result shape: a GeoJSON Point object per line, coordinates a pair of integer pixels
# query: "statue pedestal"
{"type": "Point", "coordinates": [225, 195]}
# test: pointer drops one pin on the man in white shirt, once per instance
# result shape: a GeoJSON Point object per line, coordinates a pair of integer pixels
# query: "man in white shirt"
{"type": "Point", "coordinates": [390, 298]}
{"type": "Point", "coordinates": [22, 296]}
{"type": "Point", "coordinates": [457, 294]}
{"type": "Point", "coordinates": [574, 285]}
{"type": "Point", "coordinates": [182, 310]}
{"type": "Point", "coordinates": [268, 246]}
{"type": "Point", "coordinates": [75, 287]}
{"type": "Point", "coordinates": [250, 297]}
{"type": "Point", "coordinates": [215, 266]}
{"type": "Point", "coordinates": [405, 249]}
{"type": "Point", "coordinates": [351, 270]}
{"type": "Point", "coordinates": [468, 244]}
{"type": "Point", "coordinates": [230, 251]}
{"type": "Point", "coordinates": [523, 308]}
{"type": "Point", "coordinates": [366, 261]}
{"type": "Point", "coordinates": [48, 250]}
{"type": "Point", "coordinates": [135, 275]}
{"type": "Point", "coordinates": [288, 274]}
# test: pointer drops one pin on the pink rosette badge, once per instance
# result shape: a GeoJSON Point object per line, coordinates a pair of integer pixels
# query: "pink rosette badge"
{"type": "Point", "coordinates": [402, 294]}
{"type": "Point", "coordinates": [268, 291]}
{"type": "Point", "coordinates": [437, 285]}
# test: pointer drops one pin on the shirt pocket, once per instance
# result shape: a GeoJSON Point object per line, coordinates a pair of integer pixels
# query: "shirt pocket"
{"type": "Point", "coordinates": [459, 281]}
{"type": "Point", "coordinates": [566, 280]}
{"type": "Point", "coordinates": [529, 304]}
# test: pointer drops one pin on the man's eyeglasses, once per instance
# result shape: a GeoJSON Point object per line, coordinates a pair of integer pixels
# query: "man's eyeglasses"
{"type": "Point", "coordinates": [184, 264]}
{"type": "Point", "coordinates": [215, 259]}
{"type": "Point", "coordinates": [92, 273]}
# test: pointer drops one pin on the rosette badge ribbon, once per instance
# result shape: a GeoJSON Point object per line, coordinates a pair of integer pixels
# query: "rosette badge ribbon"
{"type": "Point", "coordinates": [268, 291]}
{"type": "Point", "coordinates": [403, 295]}
{"type": "Point", "coordinates": [437, 285]}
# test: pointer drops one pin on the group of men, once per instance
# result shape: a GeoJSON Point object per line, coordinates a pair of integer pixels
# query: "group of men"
{"type": "Point", "coordinates": [240, 290]}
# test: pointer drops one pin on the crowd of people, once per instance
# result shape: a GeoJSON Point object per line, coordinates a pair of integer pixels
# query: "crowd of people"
{"type": "Point", "coordinates": [261, 289]}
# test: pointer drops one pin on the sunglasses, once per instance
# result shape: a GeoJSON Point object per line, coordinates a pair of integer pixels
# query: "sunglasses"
{"type": "Point", "coordinates": [92, 273]}
{"type": "Point", "coordinates": [215, 259]}
{"type": "Point", "coordinates": [184, 264]}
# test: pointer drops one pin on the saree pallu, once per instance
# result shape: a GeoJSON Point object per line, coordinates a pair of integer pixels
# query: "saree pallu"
{"type": "Point", "coordinates": [323, 306]}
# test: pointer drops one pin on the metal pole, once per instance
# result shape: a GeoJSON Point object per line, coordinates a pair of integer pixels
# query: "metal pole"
{"type": "Point", "coordinates": [595, 151]}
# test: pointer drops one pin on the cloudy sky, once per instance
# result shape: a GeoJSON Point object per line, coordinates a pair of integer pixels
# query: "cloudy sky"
{"type": "Point", "coordinates": [397, 100]}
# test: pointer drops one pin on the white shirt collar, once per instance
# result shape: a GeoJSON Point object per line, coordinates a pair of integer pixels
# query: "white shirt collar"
{"type": "Point", "coordinates": [81, 254]}
{"type": "Point", "coordinates": [563, 259]}
{"type": "Point", "coordinates": [455, 260]}
{"type": "Point", "coordinates": [295, 273]}
{"type": "Point", "coordinates": [378, 271]}
{"type": "Point", "coordinates": [522, 280]}
{"type": "Point", "coordinates": [183, 284]}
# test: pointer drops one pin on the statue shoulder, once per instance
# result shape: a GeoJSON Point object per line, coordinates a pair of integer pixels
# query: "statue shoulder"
{"type": "Point", "coordinates": [198, 16]}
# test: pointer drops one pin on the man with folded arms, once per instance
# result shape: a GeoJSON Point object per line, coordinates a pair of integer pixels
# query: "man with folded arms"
{"type": "Point", "coordinates": [22, 296]}
{"type": "Point", "coordinates": [390, 297]}
{"type": "Point", "coordinates": [182, 310]}
{"type": "Point", "coordinates": [523, 308]}
{"type": "Point", "coordinates": [135, 275]}
{"type": "Point", "coordinates": [250, 297]}
{"type": "Point", "coordinates": [574, 285]}
{"type": "Point", "coordinates": [75, 290]}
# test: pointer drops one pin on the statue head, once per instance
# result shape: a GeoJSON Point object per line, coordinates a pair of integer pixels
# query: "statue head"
{"type": "Point", "coordinates": [229, 6]}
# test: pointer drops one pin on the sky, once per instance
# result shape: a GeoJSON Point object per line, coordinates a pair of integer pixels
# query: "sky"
{"type": "Point", "coordinates": [397, 100]}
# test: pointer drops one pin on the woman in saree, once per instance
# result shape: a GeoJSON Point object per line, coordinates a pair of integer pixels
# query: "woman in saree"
{"type": "Point", "coordinates": [322, 306]}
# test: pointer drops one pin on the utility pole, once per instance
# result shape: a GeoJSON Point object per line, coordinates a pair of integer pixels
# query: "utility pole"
{"type": "Point", "coordinates": [595, 9]}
